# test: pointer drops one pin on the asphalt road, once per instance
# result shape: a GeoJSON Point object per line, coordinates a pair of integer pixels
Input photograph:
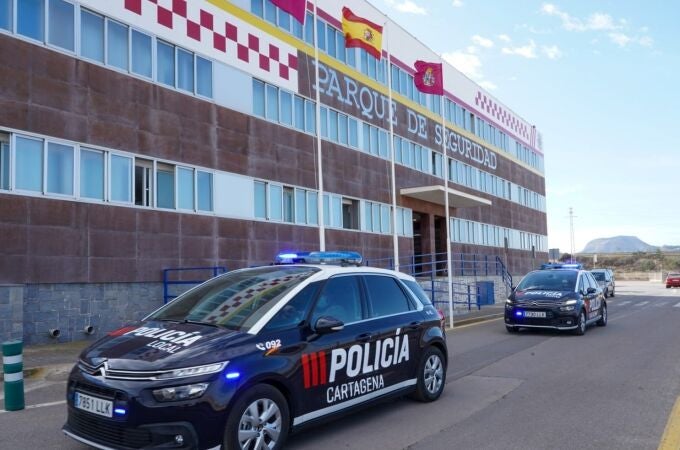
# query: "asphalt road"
{"type": "Point", "coordinates": [613, 388]}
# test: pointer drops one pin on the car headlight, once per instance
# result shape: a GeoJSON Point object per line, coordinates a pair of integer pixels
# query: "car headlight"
{"type": "Point", "coordinates": [567, 308]}
{"type": "Point", "coordinates": [570, 302]}
{"type": "Point", "coordinates": [508, 304]}
{"type": "Point", "coordinates": [192, 371]}
{"type": "Point", "coordinates": [176, 393]}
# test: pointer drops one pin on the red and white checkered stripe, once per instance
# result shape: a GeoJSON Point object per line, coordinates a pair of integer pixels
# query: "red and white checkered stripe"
{"type": "Point", "coordinates": [520, 128]}
{"type": "Point", "coordinates": [208, 30]}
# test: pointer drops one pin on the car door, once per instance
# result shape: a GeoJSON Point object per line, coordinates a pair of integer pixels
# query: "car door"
{"type": "Point", "coordinates": [331, 362]}
{"type": "Point", "coordinates": [594, 299]}
{"type": "Point", "coordinates": [397, 326]}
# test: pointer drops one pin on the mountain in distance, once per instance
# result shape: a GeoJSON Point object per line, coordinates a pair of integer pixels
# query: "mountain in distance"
{"type": "Point", "coordinates": [621, 244]}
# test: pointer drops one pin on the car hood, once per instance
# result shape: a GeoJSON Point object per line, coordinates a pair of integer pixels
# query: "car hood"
{"type": "Point", "coordinates": [526, 296]}
{"type": "Point", "coordinates": [165, 345]}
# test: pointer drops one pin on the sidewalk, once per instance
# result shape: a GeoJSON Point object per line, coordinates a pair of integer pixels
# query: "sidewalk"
{"type": "Point", "coordinates": [52, 360]}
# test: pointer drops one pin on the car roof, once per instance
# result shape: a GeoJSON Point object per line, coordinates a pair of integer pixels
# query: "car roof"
{"type": "Point", "coordinates": [329, 270]}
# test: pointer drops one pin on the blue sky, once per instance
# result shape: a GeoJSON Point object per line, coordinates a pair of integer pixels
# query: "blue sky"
{"type": "Point", "coordinates": [599, 79]}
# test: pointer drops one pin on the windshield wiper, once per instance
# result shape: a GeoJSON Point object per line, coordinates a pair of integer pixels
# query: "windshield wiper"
{"type": "Point", "coordinates": [198, 322]}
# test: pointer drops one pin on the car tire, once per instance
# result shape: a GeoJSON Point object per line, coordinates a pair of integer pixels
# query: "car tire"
{"type": "Point", "coordinates": [273, 429]}
{"type": "Point", "coordinates": [511, 329]}
{"type": "Point", "coordinates": [431, 376]}
{"type": "Point", "coordinates": [612, 294]}
{"type": "Point", "coordinates": [581, 325]}
{"type": "Point", "coordinates": [603, 320]}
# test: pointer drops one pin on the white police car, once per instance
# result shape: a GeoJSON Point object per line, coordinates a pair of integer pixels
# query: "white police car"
{"type": "Point", "coordinates": [244, 359]}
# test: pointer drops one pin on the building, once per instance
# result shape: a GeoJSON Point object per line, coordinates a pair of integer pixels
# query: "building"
{"type": "Point", "coordinates": [140, 135]}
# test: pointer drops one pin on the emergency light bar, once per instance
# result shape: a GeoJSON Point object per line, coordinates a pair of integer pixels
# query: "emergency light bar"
{"type": "Point", "coordinates": [333, 258]}
{"type": "Point", "coordinates": [562, 266]}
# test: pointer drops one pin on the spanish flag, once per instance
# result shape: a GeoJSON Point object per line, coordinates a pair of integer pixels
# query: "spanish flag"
{"type": "Point", "coordinates": [361, 33]}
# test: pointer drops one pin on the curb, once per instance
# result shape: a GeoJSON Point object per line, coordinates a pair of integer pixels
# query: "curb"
{"type": "Point", "coordinates": [471, 320]}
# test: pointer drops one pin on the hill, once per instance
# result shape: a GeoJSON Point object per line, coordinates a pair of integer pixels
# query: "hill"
{"type": "Point", "coordinates": [618, 244]}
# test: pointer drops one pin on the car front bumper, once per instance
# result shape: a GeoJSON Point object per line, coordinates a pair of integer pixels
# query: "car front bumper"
{"type": "Point", "coordinates": [554, 318]}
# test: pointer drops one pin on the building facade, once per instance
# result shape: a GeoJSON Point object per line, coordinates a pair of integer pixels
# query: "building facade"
{"type": "Point", "coordinates": [140, 135]}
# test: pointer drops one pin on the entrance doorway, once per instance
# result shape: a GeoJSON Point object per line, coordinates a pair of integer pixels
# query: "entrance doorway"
{"type": "Point", "coordinates": [440, 244]}
{"type": "Point", "coordinates": [417, 242]}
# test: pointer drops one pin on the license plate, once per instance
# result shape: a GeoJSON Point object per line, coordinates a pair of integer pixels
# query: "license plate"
{"type": "Point", "coordinates": [534, 314]}
{"type": "Point", "coordinates": [93, 405]}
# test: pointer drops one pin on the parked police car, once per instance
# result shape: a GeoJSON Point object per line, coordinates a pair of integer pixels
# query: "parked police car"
{"type": "Point", "coordinates": [245, 358]}
{"type": "Point", "coordinates": [559, 298]}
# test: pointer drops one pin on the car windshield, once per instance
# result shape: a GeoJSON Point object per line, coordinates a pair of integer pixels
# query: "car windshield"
{"type": "Point", "coordinates": [674, 275]}
{"type": "Point", "coordinates": [549, 280]}
{"type": "Point", "coordinates": [236, 300]}
{"type": "Point", "coordinates": [599, 276]}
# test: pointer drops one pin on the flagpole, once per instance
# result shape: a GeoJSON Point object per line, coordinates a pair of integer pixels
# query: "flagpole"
{"type": "Point", "coordinates": [319, 155]}
{"type": "Point", "coordinates": [395, 238]}
{"type": "Point", "coordinates": [449, 274]}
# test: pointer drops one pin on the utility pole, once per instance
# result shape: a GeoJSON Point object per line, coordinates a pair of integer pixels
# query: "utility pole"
{"type": "Point", "coordinates": [571, 231]}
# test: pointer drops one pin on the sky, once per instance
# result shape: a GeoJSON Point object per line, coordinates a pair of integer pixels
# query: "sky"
{"type": "Point", "coordinates": [599, 79]}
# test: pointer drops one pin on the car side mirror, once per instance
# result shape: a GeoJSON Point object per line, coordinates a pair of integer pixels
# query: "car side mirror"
{"type": "Point", "coordinates": [591, 290]}
{"type": "Point", "coordinates": [328, 324]}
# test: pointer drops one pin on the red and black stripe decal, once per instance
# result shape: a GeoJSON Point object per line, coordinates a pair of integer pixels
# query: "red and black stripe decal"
{"type": "Point", "coordinates": [314, 369]}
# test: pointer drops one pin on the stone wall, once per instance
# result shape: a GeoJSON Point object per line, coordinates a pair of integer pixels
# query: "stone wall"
{"type": "Point", "coordinates": [29, 312]}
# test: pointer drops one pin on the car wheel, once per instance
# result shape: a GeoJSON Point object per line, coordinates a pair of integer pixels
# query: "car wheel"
{"type": "Point", "coordinates": [603, 320]}
{"type": "Point", "coordinates": [581, 326]}
{"type": "Point", "coordinates": [612, 294]}
{"type": "Point", "coordinates": [259, 420]}
{"type": "Point", "coordinates": [431, 376]}
{"type": "Point", "coordinates": [511, 329]}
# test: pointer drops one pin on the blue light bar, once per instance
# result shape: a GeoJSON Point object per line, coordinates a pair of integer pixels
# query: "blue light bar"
{"type": "Point", "coordinates": [232, 375]}
{"type": "Point", "coordinates": [518, 313]}
{"type": "Point", "coordinates": [291, 258]}
{"type": "Point", "coordinates": [340, 258]}
{"type": "Point", "coordinates": [120, 411]}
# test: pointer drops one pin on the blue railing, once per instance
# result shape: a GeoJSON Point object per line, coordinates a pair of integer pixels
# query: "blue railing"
{"type": "Point", "coordinates": [462, 264]}
{"type": "Point", "coordinates": [167, 282]}
{"type": "Point", "coordinates": [505, 275]}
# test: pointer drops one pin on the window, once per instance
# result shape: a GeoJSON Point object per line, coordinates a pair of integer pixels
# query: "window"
{"type": "Point", "coordinates": [6, 15]}
{"type": "Point", "coordinates": [340, 299]}
{"type": "Point", "coordinates": [258, 98]}
{"type": "Point", "coordinates": [117, 45]}
{"type": "Point", "coordinates": [59, 169]}
{"type": "Point", "coordinates": [165, 63]}
{"type": "Point", "coordinates": [29, 164]}
{"type": "Point", "coordinates": [350, 214]}
{"type": "Point", "coordinates": [185, 70]}
{"type": "Point", "coordinates": [310, 116]}
{"type": "Point", "coordinates": [92, 174]}
{"type": "Point", "coordinates": [4, 161]}
{"type": "Point", "coordinates": [353, 133]}
{"type": "Point", "coordinates": [299, 112]}
{"type": "Point", "coordinates": [185, 188]}
{"type": "Point", "coordinates": [295, 311]}
{"type": "Point", "coordinates": [204, 77]}
{"type": "Point", "coordinates": [275, 202]}
{"type": "Point", "coordinates": [385, 219]}
{"type": "Point", "coordinates": [31, 18]}
{"type": "Point", "coordinates": [288, 204]}
{"type": "Point", "coordinates": [385, 297]}
{"type": "Point", "coordinates": [165, 186]}
{"type": "Point", "coordinates": [272, 103]}
{"type": "Point", "coordinates": [141, 54]}
{"type": "Point", "coordinates": [204, 183]}
{"type": "Point", "coordinates": [260, 200]}
{"type": "Point", "coordinates": [312, 208]}
{"type": "Point", "coordinates": [286, 100]}
{"type": "Point", "coordinates": [121, 178]}
{"type": "Point", "coordinates": [92, 35]}
{"type": "Point", "coordinates": [300, 206]}
{"type": "Point", "coordinates": [61, 25]}
{"type": "Point", "coordinates": [336, 216]}
{"type": "Point", "coordinates": [143, 182]}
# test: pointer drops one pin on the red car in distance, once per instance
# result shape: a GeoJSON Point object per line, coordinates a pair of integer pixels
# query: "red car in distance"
{"type": "Point", "coordinates": [673, 280]}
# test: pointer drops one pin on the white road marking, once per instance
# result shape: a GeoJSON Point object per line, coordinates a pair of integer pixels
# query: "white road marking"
{"type": "Point", "coordinates": [624, 303]}
{"type": "Point", "coordinates": [39, 405]}
{"type": "Point", "coordinates": [660, 304]}
{"type": "Point", "coordinates": [640, 304]}
{"type": "Point", "coordinates": [677, 306]}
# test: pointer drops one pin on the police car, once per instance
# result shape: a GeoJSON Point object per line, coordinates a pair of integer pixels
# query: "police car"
{"type": "Point", "coordinates": [244, 359]}
{"type": "Point", "coordinates": [563, 298]}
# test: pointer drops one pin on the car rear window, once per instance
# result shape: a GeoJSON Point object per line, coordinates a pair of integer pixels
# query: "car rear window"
{"type": "Point", "coordinates": [549, 280]}
{"type": "Point", "coordinates": [599, 276]}
{"type": "Point", "coordinates": [418, 291]}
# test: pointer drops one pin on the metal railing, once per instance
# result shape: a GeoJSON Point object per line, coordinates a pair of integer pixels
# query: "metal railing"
{"type": "Point", "coordinates": [167, 282]}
